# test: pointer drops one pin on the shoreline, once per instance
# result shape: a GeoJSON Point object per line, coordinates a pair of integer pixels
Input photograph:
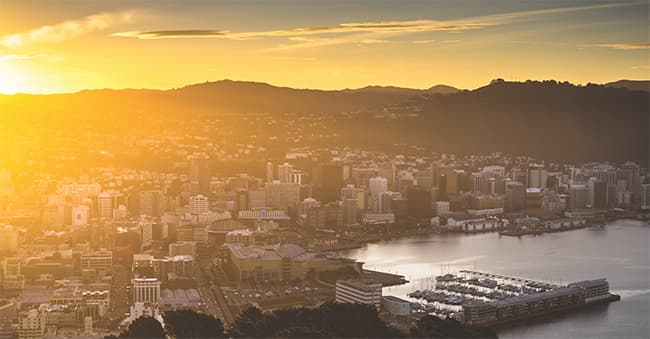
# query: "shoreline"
{"type": "Point", "coordinates": [396, 236]}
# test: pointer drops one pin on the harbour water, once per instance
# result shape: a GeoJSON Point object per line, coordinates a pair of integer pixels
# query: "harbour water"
{"type": "Point", "coordinates": [619, 252]}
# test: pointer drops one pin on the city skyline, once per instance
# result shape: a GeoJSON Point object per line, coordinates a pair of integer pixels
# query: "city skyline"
{"type": "Point", "coordinates": [66, 47]}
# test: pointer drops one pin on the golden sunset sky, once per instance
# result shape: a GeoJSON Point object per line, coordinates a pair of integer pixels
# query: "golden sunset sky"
{"type": "Point", "coordinates": [62, 46]}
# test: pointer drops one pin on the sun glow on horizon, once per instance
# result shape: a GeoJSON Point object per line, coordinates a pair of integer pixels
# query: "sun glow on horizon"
{"type": "Point", "coordinates": [11, 81]}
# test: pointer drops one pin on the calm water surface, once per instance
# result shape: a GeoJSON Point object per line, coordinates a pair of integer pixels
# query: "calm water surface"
{"type": "Point", "coordinates": [620, 253]}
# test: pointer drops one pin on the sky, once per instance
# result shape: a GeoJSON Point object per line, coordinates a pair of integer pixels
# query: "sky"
{"type": "Point", "coordinates": [65, 46]}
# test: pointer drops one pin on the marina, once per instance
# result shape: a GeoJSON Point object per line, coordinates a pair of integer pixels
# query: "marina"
{"type": "Point", "coordinates": [486, 299]}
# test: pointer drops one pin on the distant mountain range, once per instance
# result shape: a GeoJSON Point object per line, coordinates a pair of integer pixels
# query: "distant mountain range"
{"type": "Point", "coordinates": [546, 119]}
{"type": "Point", "coordinates": [224, 97]}
{"type": "Point", "coordinates": [633, 85]}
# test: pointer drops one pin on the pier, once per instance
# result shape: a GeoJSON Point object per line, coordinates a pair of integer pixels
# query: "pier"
{"type": "Point", "coordinates": [487, 299]}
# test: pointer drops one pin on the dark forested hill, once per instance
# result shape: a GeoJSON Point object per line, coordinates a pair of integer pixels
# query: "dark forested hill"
{"type": "Point", "coordinates": [550, 120]}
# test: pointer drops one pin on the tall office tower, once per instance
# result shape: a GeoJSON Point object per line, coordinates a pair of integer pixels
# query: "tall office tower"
{"type": "Point", "coordinates": [577, 197]}
{"type": "Point", "coordinates": [8, 239]}
{"type": "Point", "coordinates": [387, 170]}
{"type": "Point", "coordinates": [303, 206]}
{"type": "Point", "coordinates": [106, 203]}
{"type": "Point", "coordinates": [349, 212]}
{"type": "Point", "coordinates": [269, 172]}
{"type": "Point", "coordinates": [645, 196]}
{"type": "Point", "coordinates": [152, 203]}
{"type": "Point", "coordinates": [477, 182]}
{"type": "Point", "coordinates": [360, 176]}
{"type": "Point", "coordinates": [199, 204]}
{"type": "Point", "coordinates": [200, 174]}
{"type": "Point", "coordinates": [384, 201]}
{"type": "Point", "coordinates": [284, 172]}
{"type": "Point", "coordinates": [281, 194]}
{"type": "Point", "coordinates": [442, 188]}
{"type": "Point", "coordinates": [102, 233]}
{"type": "Point", "coordinates": [424, 179]}
{"type": "Point", "coordinates": [419, 202]}
{"type": "Point", "coordinates": [515, 197]}
{"type": "Point", "coordinates": [573, 174]}
{"type": "Point", "coordinates": [146, 290]}
{"type": "Point", "coordinates": [349, 192]}
{"type": "Point", "coordinates": [596, 193]}
{"type": "Point", "coordinates": [376, 186]}
{"type": "Point", "coordinates": [453, 182]}
{"type": "Point", "coordinates": [631, 172]}
{"type": "Point", "coordinates": [537, 176]}
{"type": "Point", "coordinates": [328, 180]}
{"type": "Point", "coordinates": [256, 198]}
{"type": "Point", "coordinates": [605, 173]}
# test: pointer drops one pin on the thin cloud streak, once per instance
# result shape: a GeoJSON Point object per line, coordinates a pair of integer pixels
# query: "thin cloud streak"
{"type": "Point", "coordinates": [66, 30]}
{"type": "Point", "coordinates": [405, 26]}
{"type": "Point", "coordinates": [623, 46]}
{"type": "Point", "coordinates": [12, 57]}
{"type": "Point", "coordinates": [373, 41]}
{"type": "Point", "coordinates": [413, 26]}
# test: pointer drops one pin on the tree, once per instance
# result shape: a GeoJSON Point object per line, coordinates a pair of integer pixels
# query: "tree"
{"type": "Point", "coordinates": [433, 327]}
{"type": "Point", "coordinates": [250, 323]}
{"type": "Point", "coordinates": [144, 327]}
{"type": "Point", "coordinates": [191, 324]}
{"type": "Point", "coordinates": [328, 320]}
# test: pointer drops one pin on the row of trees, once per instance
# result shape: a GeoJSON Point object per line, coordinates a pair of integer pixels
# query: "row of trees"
{"type": "Point", "coordinates": [328, 320]}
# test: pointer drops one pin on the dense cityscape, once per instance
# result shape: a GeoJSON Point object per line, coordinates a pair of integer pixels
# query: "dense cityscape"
{"type": "Point", "coordinates": [189, 169]}
{"type": "Point", "coordinates": [87, 255]}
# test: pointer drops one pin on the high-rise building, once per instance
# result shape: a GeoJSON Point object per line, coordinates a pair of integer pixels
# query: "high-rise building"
{"type": "Point", "coordinates": [597, 193]}
{"type": "Point", "coordinates": [385, 199]}
{"type": "Point", "coordinates": [31, 324]}
{"type": "Point", "coordinates": [152, 203]}
{"type": "Point", "coordinates": [537, 177]}
{"type": "Point", "coordinates": [107, 202]}
{"type": "Point", "coordinates": [200, 174]}
{"type": "Point", "coordinates": [419, 202]}
{"type": "Point", "coordinates": [284, 172]}
{"type": "Point", "coordinates": [645, 196]}
{"type": "Point", "coordinates": [269, 172]}
{"type": "Point", "coordinates": [8, 239]}
{"type": "Point", "coordinates": [12, 277]}
{"type": "Point", "coordinates": [256, 198]}
{"type": "Point", "coordinates": [328, 180]}
{"type": "Point", "coordinates": [295, 177]}
{"type": "Point", "coordinates": [281, 194]}
{"type": "Point", "coordinates": [577, 197]}
{"type": "Point", "coordinates": [361, 176]}
{"type": "Point", "coordinates": [349, 212]}
{"type": "Point", "coordinates": [146, 290]}
{"type": "Point", "coordinates": [631, 173]}
{"type": "Point", "coordinates": [376, 186]}
{"type": "Point", "coordinates": [199, 204]}
{"type": "Point", "coordinates": [515, 197]}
